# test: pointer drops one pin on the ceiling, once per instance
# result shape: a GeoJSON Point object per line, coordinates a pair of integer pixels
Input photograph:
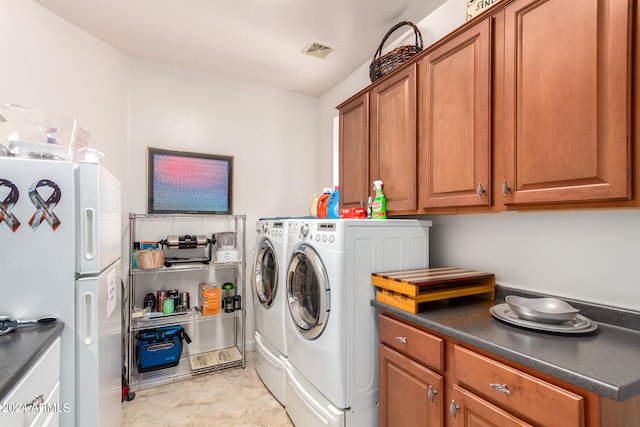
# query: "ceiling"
{"type": "Point", "coordinates": [258, 41]}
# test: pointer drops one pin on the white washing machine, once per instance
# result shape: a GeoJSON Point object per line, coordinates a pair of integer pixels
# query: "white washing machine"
{"type": "Point", "coordinates": [269, 298]}
{"type": "Point", "coordinates": [332, 367]}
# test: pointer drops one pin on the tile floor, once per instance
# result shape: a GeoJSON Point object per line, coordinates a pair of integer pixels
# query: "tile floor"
{"type": "Point", "coordinates": [230, 398]}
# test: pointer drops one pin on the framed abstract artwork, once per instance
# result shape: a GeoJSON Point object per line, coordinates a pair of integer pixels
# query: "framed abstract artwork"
{"type": "Point", "coordinates": [181, 182]}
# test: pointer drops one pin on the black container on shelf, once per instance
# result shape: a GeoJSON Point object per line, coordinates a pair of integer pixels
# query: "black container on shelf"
{"type": "Point", "coordinates": [149, 301]}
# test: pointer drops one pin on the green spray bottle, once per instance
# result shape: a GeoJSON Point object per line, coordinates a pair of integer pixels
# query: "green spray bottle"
{"type": "Point", "coordinates": [379, 206]}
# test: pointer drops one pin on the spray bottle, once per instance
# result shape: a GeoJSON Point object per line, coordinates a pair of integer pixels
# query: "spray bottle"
{"type": "Point", "coordinates": [379, 206]}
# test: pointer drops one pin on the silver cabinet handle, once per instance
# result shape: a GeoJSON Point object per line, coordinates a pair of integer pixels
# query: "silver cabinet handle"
{"type": "Point", "coordinates": [453, 409]}
{"type": "Point", "coordinates": [403, 340]}
{"type": "Point", "coordinates": [500, 388]}
{"type": "Point", "coordinates": [35, 403]}
{"type": "Point", "coordinates": [505, 188]}
{"type": "Point", "coordinates": [480, 190]}
{"type": "Point", "coordinates": [431, 393]}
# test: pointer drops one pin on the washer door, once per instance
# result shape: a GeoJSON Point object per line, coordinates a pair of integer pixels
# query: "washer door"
{"type": "Point", "coordinates": [266, 274]}
{"type": "Point", "coordinates": [308, 291]}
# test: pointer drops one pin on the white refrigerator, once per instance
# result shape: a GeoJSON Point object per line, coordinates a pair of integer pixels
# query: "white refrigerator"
{"type": "Point", "coordinates": [60, 248]}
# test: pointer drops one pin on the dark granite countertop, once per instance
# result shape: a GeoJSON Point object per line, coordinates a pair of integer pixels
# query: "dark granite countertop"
{"type": "Point", "coordinates": [606, 362]}
{"type": "Point", "coordinates": [20, 349]}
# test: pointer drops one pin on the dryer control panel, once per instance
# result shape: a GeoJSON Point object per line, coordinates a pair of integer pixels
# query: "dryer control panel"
{"type": "Point", "coordinates": [274, 229]}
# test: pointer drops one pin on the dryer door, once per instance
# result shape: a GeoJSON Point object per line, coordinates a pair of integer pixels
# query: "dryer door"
{"type": "Point", "coordinates": [308, 291]}
{"type": "Point", "coordinates": [265, 274]}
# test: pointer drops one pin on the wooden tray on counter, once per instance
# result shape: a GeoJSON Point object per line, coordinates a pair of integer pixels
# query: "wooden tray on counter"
{"type": "Point", "coordinates": [407, 289]}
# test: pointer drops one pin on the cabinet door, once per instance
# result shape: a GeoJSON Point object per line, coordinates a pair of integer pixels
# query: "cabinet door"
{"type": "Point", "coordinates": [454, 108]}
{"type": "Point", "coordinates": [354, 152]}
{"type": "Point", "coordinates": [567, 97]}
{"type": "Point", "coordinates": [408, 393]}
{"type": "Point", "coordinates": [393, 138]}
{"type": "Point", "coordinates": [467, 409]}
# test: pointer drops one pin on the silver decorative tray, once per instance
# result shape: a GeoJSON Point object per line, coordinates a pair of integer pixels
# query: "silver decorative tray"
{"type": "Point", "coordinates": [579, 325]}
{"type": "Point", "coordinates": [542, 310]}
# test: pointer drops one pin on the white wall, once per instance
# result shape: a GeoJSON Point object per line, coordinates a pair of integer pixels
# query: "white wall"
{"type": "Point", "coordinates": [587, 254]}
{"type": "Point", "coordinates": [270, 133]}
{"type": "Point", "coordinates": [50, 65]}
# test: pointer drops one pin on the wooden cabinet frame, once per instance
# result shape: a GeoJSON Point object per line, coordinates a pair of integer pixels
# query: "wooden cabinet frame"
{"type": "Point", "coordinates": [354, 175]}
{"type": "Point", "coordinates": [596, 411]}
{"type": "Point", "coordinates": [454, 94]}
{"type": "Point", "coordinates": [567, 101]}
{"type": "Point", "coordinates": [549, 94]}
{"type": "Point", "coordinates": [393, 133]}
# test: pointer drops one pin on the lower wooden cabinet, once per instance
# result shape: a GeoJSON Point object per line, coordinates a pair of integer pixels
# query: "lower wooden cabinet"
{"type": "Point", "coordinates": [426, 379]}
{"type": "Point", "coordinates": [467, 409]}
{"type": "Point", "coordinates": [409, 394]}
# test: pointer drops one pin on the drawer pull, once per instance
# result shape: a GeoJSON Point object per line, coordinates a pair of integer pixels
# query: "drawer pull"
{"type": "Point", "coordinates": [501, 388]}
{"type": "Point", "coordinates": [431, 393]}
{"type": "Point", "coordinates": [453, 409]}
{"type": "Point", "coordinates": [35, 403]}
{"type": "Point", "coordinates": [403, 340]}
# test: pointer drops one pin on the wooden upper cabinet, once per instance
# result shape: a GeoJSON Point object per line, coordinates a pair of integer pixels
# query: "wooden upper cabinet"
{"type": "Point", "coordinates": [567, 101]}
{"type": "Point", "coordinates": [454, 121]}
{"type": "Point", "coordinates": [354, 151]}
{"type": "Point", "coordinates": [393, 155]}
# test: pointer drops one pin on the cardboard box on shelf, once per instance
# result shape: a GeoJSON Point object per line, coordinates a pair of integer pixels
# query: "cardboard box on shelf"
{"type": "Point", "coordinates": [209, 298]}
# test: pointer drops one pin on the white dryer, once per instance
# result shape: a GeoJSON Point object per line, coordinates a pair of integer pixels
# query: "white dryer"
{"type": "Point", "coordinates": [332, 367]}
{"type": "Point", "coordinates": [269, 298]}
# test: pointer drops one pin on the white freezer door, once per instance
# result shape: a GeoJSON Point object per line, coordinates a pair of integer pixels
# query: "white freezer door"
{"type": "Point", "coordinates": [37, 255]}
{"type": "Point", "coordinates": [99, 349]}
{"type": "Point", "coordinates": [99, 219]}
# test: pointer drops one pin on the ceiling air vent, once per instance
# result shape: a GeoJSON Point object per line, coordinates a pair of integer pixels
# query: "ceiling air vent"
{"type": "Point", "coordinates": [318, 49]}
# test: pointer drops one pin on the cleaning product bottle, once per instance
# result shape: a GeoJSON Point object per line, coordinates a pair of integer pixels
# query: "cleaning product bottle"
{"type": "Point", "coordinates": [369, 207]}
{"type": "Point", "coordinates": [313, 204]}
{"type": "Point", "coordinates": [379, 206]}
{"type": "Point", "coordinates": [333, 204]}
{"type": "Point", "coordinates": [322, 203]}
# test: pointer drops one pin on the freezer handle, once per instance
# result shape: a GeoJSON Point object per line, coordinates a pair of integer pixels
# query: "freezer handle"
{"type": "Point", "coordinates": [87, 318]}
{"type": "Point", "coordinates": [89, 233]}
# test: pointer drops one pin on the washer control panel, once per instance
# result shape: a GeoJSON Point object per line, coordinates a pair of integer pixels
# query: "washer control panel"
{"type": "Point", "coordinates": [319, 232]}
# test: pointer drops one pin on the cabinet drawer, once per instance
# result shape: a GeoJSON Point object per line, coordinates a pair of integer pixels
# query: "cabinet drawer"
{"type": "Point", "coordinates": [527, 397]}
{"type": "Point", "coordinates": [41, 380]}
{"type": "Point", "coordinates": [419, 345]}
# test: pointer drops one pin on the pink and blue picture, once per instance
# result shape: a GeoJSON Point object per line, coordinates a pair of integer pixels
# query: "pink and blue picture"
{"type": "Point", "coordinates": [183, 182]}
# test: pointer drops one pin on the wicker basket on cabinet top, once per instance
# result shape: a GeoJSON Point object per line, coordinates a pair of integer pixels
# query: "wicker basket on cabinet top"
{"type": "Point", "coordinates": [406, 289]}
{"type": "Point", "coordinates": [383, 64]}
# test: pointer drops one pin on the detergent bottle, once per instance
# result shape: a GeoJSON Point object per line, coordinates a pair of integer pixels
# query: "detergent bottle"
{"type": "Point", "coordinates": [322, 203]}
{"type": "Point", "coordinates": [333, 204]}
{"type": "Point", "coordinates": [379, 206]}
{"type": "Point", "coordinates": [313, 204]}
